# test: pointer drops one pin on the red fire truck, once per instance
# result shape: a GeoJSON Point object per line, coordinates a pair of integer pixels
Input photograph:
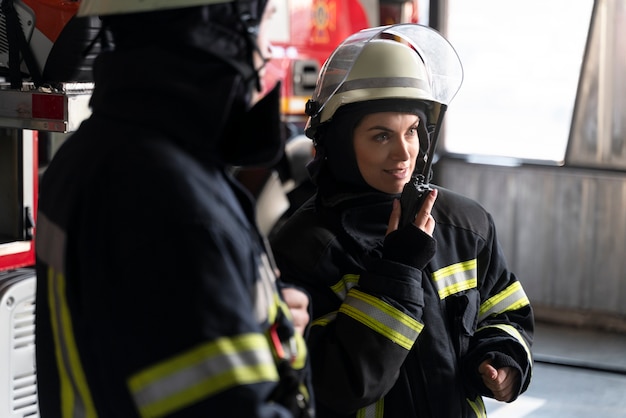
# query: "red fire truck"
{"type": "Point", "coordinates": [36, 64]}
{"type": "Point", "coordinates": [30, 58]}
{"type": "Point", "coordinates": [30, 118]}
{"type": "Point", "coordinates": [37, 107]}
{"type": "Point", "coordinates": [27, 115]}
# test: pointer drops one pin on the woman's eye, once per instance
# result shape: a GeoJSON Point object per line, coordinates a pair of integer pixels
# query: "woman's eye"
{"type": "Point", "coordinates": [383, 136]}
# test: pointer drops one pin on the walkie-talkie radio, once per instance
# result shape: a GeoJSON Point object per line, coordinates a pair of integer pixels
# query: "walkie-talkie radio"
{"type": "Point", "coordinates": [417, 189]}
{"type": "Point", "coordinates": [414, 194]}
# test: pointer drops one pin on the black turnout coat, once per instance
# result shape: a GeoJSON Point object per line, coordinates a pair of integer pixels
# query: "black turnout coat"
{"type": "Point", "coordinates": [394, 333]}
{"type": "Point", "coordinates": [155, 296]}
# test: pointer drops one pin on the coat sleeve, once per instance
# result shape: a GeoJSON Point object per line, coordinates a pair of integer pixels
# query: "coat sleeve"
{"type": "Point", "coordinates": [505, 323]}
{"type": "Point", "coordinates": [193, 314]}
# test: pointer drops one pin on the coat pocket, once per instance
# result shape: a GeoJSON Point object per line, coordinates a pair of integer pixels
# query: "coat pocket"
{"type": "Point", "coordinates": [462, 309]}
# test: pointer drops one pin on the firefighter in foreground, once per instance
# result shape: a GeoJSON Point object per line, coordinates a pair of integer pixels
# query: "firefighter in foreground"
{"type": "Point", "coordinates": [419, 320]}
{"type": "Point", "coordinates": [155, 295]}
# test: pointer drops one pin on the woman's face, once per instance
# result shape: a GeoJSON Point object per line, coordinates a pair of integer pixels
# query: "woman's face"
{"type": "Point", "coordinates": [386, 145]}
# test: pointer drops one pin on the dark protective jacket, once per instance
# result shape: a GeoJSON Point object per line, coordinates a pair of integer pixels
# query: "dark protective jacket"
{"type": "Point", "coordinates": [155, 296]}
{"type": "Point", "coordinates": [394, 334]}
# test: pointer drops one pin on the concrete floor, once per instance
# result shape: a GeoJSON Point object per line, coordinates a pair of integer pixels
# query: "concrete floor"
{"type": "Point", "coordinates": [579, 373]}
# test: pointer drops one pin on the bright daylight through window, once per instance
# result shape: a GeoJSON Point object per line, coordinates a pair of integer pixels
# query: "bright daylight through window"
{"type": "Point", "coordinates": [522, 60]}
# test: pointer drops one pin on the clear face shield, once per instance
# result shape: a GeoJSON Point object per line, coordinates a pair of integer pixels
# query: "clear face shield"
{"type": "Point", "coordinates": [443, 67]}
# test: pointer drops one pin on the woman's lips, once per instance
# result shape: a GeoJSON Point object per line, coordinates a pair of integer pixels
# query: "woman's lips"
{"type": "Point", "coordinates": [398, 173]}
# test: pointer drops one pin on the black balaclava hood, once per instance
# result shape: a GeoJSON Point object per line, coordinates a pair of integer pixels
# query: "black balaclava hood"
{"type": "Point", "coordinates": [207, 35]}
{"type": "Point", "coordinates": [334, 168]}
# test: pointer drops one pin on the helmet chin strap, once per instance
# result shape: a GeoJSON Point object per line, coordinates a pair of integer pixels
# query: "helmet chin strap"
{"type": "Point", "coordinates": [250, 19]}
{"type": "Point", "coordinates": [433, 136]}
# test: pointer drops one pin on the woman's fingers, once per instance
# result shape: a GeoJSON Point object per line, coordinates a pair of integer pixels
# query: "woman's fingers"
{"type": "Point", "coordinates": [424, 219]}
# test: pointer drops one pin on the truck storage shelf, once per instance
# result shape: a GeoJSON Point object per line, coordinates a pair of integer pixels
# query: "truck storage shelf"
{"type": "Point", "coordinates": [58, 109]}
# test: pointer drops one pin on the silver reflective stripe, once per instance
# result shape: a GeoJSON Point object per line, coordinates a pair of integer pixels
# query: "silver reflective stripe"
{"type": "Point", "coordinates": [346, 283]}
{"type": "Point", "coordinates": [203, 372]}
{"type": "Point", "coordinates": [510, 299]}
{"type": "Point", "coordinates": [50, 243]}
{"type": "Point", "coordinates": [382, 318]}
{"type": "Point", "coordinates": [455, 278]}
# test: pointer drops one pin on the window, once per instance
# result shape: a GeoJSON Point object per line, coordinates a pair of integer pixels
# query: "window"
{"type": "Point", "coordinates": [522, 61]}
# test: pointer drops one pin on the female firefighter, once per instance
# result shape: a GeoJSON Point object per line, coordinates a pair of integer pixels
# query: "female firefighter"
{"type": "Point", "coordinates": [155, 295]}
{"type": "Point", "coordinates": [409, 320]}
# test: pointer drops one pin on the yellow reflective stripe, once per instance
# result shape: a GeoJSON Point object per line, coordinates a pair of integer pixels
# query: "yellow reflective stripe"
{"type": "Point", "coordinates": [510, 299]}
{"type": "Point", "coordinates": [382, 318]}
{"type": "Point", "coordinates": [341, 289]}
{"type": "Point", "coordinates": [202, 372]}
{"type": "Point", "coordinates": [301, 349]}
{"type": "Point", "coordinates": [76, 401]}
{"type": "Point", "coordinates": [295, 346]}
{"type": "Point", "coordinates": [375, 410]}
{"type": "Point", "coordinates": [455, 278]}
{"type": "Point", "coordinates": [346, 283]}
{"type": "Point", "coordinates": [324, 320]}
{"type": "Point", "coordinates": [478, 406]}
{"type": "Point", "coordinates": [513, 333]}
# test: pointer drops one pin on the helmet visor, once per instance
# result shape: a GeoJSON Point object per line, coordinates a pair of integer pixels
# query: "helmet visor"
{"type": "Point", "coordinates": [439, 57]}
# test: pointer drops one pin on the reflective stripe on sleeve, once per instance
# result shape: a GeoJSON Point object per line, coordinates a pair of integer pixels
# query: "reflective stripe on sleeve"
{"type": "Point", "coordinates": [375, 410]}
{"type": "Point", "coordinates": [382, 318]}
{"type": "Point", "coordinates": [324, 320]}
{"type": "Point", "coordinates": [510, 299]}
{"type": "Point", "coordinates": [513, 332]}
{"type": "Point", "coordinates": [346, 283]}
{"type": "Point", "coordinates": [76, 400]}
{"type": "Point", "coordinates": [455, 278]}
{"type": "Point", "coordinates": [202, 372]}
{"type": "Point", "coordinates": [478, 406]}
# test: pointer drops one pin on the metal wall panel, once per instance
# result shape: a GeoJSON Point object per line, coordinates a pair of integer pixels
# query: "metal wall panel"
{"type": "Point", "coordinates": [563, 230]}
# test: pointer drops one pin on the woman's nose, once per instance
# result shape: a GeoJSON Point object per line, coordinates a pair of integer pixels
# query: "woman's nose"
{"type": "Point", "coordinates": [401, 150]}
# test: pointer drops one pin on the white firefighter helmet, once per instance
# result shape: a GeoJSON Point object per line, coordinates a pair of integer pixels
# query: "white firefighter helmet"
{"type": "Point", "coordinates": [110, 7]}
{"type": "Point", "coordinates": [403, 61]}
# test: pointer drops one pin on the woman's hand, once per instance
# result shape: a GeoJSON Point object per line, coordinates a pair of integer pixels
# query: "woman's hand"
{"type": "Point", "coordinates": [424, 220]}
{"type": "Point", "coordinates": [298, 303]}
{"type": "Point", "coordinates": [503, 382]}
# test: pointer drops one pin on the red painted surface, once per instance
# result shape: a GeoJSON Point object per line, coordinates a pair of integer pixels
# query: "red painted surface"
{"type": "Point", "coordinates": [51, 16]}
{"type": "Point", "coordinates": [25, 258]}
